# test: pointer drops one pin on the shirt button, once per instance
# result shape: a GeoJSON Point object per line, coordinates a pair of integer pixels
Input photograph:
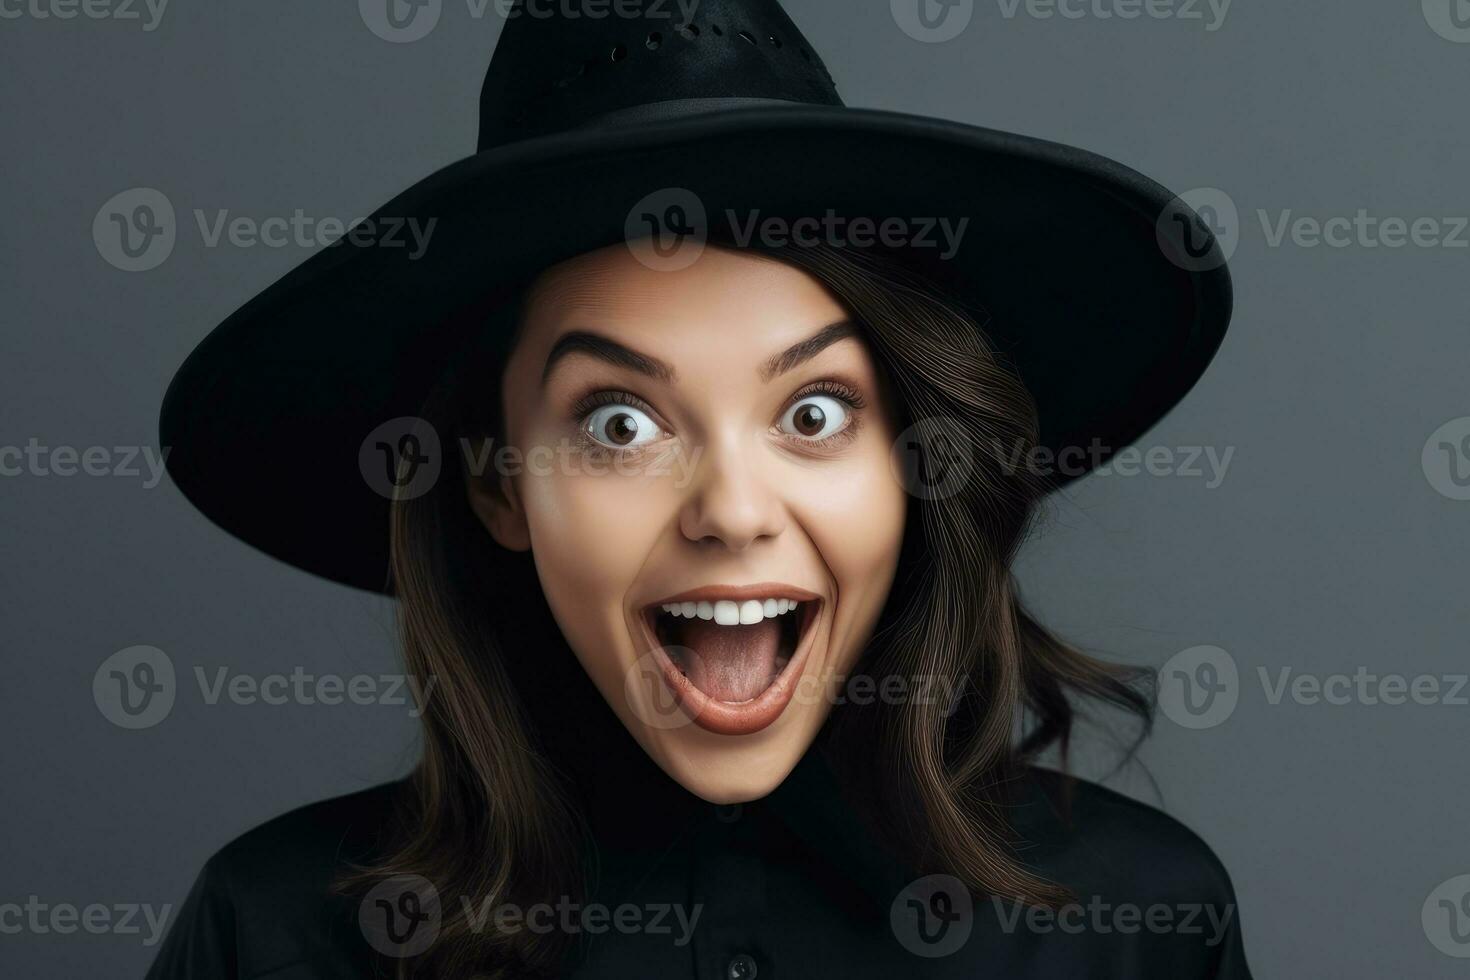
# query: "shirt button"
{"type": "Point", "coordinates": [741, 967]}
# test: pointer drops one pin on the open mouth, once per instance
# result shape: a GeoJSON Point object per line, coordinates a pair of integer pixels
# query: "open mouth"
{"type": "Point", "coordinates": [732, 654]}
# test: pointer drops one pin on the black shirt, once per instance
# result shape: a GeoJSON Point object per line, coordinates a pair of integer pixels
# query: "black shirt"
{"type": "Point", "coordinates": [790, 886]}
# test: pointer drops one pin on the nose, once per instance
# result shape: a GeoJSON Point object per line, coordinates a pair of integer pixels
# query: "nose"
{"type": "Point", "coordinates": [730, 503]}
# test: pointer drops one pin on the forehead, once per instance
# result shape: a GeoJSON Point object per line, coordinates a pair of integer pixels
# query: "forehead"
{"type": "Point", "coordinates": [728, 304]}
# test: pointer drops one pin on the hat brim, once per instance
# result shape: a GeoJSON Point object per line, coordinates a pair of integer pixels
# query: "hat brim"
{"type": "Point", "coordinates": [1107, 324]}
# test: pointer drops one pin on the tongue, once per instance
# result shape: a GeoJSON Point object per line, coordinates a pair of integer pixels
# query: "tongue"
{"type": "Point", "coordinates": [730, 663]}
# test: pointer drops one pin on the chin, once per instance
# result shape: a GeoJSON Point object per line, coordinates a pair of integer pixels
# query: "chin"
{"type": "Point", "coordinates": [731, 775]}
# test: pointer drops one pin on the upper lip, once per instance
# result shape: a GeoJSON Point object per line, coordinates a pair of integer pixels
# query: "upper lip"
{"type": "Point", "coordinates": [740, 593]}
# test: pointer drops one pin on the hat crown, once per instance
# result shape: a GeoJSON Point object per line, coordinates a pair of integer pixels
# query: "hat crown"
{"type": "Point", "coordinates": [560, 64]}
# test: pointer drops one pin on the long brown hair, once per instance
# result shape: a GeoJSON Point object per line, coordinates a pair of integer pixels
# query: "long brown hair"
{"type": "Point", "coordinates": [488, 812]}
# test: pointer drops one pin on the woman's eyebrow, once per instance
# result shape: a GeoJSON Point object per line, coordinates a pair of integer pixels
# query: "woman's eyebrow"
{"type": "Point", "coordinates": [586, 342]}
{"type": "Point", "coordinates": [804, 350]}
{"type": "Point", "coordinates": [606, 349]}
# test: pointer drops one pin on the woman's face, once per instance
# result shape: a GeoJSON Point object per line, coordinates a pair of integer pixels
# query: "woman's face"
{"type": "Point", "coordinates": [703, 478]}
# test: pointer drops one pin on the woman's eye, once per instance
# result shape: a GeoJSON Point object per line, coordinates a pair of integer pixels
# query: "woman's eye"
{"type": "Point", "coordinates": [621, 426]}
{"type": "Point", "coordinates": [815, 417]}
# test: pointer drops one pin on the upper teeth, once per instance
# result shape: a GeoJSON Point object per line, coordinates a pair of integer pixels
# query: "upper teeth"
{"type": "Point", "coordinates": [726, 612]}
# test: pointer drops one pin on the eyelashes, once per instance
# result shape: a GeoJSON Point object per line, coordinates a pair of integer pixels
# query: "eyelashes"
{"type": "Point", "coordinates": [587, 404]}
{"type": "Point", "coordinates": [836, 389]}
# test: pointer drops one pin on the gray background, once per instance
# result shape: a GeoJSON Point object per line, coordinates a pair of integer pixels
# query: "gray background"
{"type": "Point", "coordinates": [1326, 547]}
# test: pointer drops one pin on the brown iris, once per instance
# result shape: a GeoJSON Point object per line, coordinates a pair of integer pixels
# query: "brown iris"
{"type": "Point", "coordinates": [809, 419]}
{"type": "Point", "coordinates": [621, 429]}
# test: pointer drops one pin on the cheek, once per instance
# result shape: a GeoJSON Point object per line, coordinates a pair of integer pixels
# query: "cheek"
{"type": "Point", "coordinates": [591, 534]}
{"type": "Point", "coordinates": [854, 512]}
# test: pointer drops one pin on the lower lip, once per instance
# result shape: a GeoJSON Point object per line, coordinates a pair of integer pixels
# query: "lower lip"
{"type": "Point", "coordinates": [739, 717]}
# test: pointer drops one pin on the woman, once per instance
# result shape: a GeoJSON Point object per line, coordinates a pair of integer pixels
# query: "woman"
{"type": "Point", "coordinates": [704, 536]}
